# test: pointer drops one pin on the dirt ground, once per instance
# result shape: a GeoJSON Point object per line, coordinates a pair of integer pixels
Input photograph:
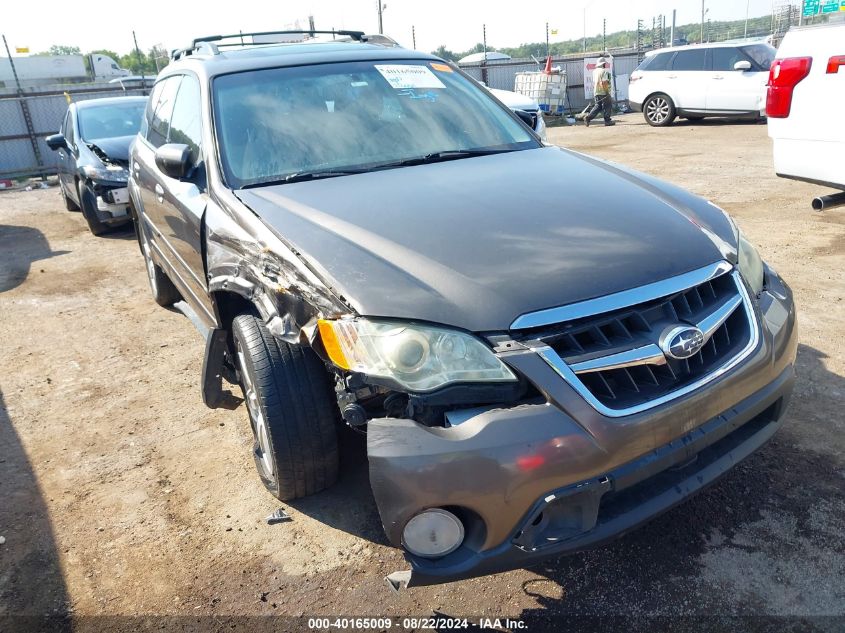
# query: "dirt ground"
{"type": "Point", "coordinates": [122, 495]}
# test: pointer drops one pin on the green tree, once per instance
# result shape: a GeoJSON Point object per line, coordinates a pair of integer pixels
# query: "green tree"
{"type": "Point", "coordinates": [57, 49]}
{"type": "Point", "coordinates": [445, 53]}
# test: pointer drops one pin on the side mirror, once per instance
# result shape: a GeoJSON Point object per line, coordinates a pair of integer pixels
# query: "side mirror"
{"type": "Point", "coordinates": [174, 160]}
{"type": "Point", "coordinates": [56, 142]}
{"type": "Point", "coordinates": [742, 65]}
{"type": "Point", "coordinates": [526, 117]}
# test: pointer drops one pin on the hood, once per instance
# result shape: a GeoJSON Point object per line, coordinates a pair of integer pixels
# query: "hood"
{"type": "Point", "coordinates": [477, 242]}
{"type": "Point", "coordinates": [116, 149]}
{"type": "Point", "coordinates": [514, 100]}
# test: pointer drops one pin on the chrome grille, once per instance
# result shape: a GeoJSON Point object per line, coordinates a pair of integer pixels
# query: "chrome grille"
{"type": "Point", "coordinates": [615, 359]}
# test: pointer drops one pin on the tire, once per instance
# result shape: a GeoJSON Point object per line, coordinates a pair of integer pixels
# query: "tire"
{"type": "Point", "coordinates": [88, 200]}
{"type": "Point", "coordinates": [70, 205]}
{"type": "Point", "coordinates": [292, 411]}
{"type": "Point", "coordinates": [658, 110]}
{"type": "Point", "coordinates": [163, 290]}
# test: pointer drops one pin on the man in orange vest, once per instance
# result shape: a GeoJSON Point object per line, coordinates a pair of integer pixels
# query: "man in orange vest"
{"type": "Point", "coordinates": [601, 85]}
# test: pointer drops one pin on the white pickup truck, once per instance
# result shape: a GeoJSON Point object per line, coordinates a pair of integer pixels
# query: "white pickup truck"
{"type": "Point", "coordinates": [804, 107]}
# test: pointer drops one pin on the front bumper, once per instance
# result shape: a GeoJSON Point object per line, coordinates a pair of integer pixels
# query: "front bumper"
{"type": "Point", "coordinates": [112, 201]}
{"type": "Point", "coordinates": [541, 479]}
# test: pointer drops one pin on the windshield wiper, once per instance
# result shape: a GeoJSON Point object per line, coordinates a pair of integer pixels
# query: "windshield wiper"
{"type": "Point", "coordinates": [305, 175]}
{"type": "Point", "coordinates": [438, 157]}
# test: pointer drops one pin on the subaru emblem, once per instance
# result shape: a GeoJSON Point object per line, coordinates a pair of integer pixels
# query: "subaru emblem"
{"type": "Point", "coordinates": [682, 341]}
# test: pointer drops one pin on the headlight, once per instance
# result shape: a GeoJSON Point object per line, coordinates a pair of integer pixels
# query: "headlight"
{"type": "Point", "coordinates": [114, 173]}
{"type": "Point", "coordinates": [750, 265]}
{"type": "Point", "coordinates": [417, 357]}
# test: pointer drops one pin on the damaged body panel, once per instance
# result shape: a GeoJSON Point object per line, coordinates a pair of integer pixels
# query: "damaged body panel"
{"type": "Point", "coordinates": [543, 349]}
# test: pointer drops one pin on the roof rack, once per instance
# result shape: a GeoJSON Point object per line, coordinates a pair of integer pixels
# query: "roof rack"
{"type": "Point", "coordinates": [210, 43]}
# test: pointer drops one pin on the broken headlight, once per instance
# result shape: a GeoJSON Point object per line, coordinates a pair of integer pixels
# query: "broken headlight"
{"type": "Point", "coordinates": [750, 265]}
{"type": "Point", "coordinates": [113, 173]}
{"type": "Point", "coordinates": [416, 357]}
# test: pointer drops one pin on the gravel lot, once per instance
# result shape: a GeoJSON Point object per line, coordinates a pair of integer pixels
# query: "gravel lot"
{"type": "Point", "coordinates": [121, 494]}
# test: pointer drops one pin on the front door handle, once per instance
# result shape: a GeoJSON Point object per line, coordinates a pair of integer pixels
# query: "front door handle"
{"type": "Point", "coordinates": [718, 77]}
{"type": "Point", "coordinates": [159, 193]}
{"type": "Point", "coordinates": [136, 168]}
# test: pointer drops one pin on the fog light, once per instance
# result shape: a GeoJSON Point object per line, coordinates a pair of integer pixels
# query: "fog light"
{"type": "Point", "coordinates": [433, 533]}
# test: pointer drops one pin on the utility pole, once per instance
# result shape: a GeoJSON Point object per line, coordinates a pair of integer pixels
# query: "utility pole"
{"type": "Point", "coordinates": [747, 8]}
{"type": "Point", "coordinates": [414, 36]}
{"type": "Point", "coordinates": [380, 22]}
{"type": "Point", "coordinates": [701, 41]}
{"type": "Point", "coordinates": [585, 29]}
{"type": "Point", "coordinates": [604, 35]}
{"type": "Point", "coordinates": [141, 62]}
{"type": "Point", "coordinates": [484, 77]}
{"type": "Point", "coordinates": [672, 34]}
{"type": "Point", "coordinates": [548, 48]}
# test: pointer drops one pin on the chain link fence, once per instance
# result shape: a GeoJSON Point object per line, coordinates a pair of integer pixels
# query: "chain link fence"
{"type": "Point", "coordinates": [18, 141]}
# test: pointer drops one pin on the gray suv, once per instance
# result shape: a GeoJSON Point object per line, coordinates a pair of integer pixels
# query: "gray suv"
{"type": "Point", "coordinates": [543, 349]}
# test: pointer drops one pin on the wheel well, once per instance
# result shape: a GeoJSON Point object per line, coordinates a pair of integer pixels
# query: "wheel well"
{"type": "Point", "coordinates": [229, 305]}
{"type": "Point", "coordinates": [660, 93]}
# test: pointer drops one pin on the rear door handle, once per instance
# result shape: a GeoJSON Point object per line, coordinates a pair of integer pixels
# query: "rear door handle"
{"type": "Point", "coordinates": [673, 76]}
{"type": "Point", "coordinates": [719, 77]}
{"type": "Point", "coordinates": [159, 193]}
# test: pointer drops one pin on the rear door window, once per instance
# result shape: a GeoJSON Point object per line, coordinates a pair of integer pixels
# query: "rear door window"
{"type": "Point", "coordinates": [160, 124]}
{"type": "Point", "coordinates": [689, 60]}
{"type": "Point", "coordinates": [723, 59]}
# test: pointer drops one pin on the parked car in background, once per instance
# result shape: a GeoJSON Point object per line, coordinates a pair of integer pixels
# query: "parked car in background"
{"type": "Point", "coordinates": [93, 147]}
{"type": "Point", "coordinates": [544, 349]}
{"type": "Point", "coordinates": [806, 93]}
{"type": "Point", "coordinates": [134, 82]}
{"type": "Point", "coordinates": [702, 80]}
{"type": "Point", "coordinates": [520, 103]}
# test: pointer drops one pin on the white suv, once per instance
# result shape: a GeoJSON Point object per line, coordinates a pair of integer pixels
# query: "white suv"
{"type": "Point", "coordinates": [725, 79]}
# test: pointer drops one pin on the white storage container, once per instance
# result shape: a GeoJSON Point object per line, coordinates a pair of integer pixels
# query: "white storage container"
{"type": "Point", "coordinates": [547, 90]}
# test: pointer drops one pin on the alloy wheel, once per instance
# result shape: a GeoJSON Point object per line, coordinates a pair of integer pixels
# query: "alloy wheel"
{"type": "Point", "coordinates": [657, 110]}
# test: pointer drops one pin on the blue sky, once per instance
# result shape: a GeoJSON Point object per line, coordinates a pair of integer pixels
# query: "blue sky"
{"type": "Point", "coordinates": [455, 23]}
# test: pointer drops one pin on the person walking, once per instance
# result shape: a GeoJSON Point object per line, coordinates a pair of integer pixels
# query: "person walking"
{"type": "Point", "coordinates": [601, 88]}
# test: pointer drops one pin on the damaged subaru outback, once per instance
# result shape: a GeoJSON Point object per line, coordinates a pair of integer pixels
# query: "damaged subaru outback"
{"type": "Point", "coordinates": [544, 350]}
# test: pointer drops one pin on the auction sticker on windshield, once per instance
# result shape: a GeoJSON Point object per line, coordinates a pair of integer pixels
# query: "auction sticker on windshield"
{"type": "Point", "coordinates": [402, 77]}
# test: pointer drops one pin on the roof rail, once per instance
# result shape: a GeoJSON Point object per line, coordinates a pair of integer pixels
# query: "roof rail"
{"type": "Point", "coordinates": [209, 44]}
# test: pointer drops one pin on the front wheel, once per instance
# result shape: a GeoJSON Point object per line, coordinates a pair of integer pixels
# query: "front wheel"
{"type": "Point", "coordinates": [659, 110]}
{"type": "Point", "coordinates": [88, 201]}
{"type": "Point", "coordinates": [292, 411]}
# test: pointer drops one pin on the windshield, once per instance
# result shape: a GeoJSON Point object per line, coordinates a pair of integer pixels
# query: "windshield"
{"type": "Point", "coordinates": [762, 54]}
{"type": "Point", "coordinates": [285, 122]}
{"type": "Point", "coordinates": [110, 121]}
